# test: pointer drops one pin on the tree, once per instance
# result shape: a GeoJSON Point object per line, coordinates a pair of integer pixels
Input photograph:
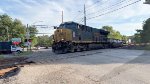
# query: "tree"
{"type": "Point", "coordinates": [10, 28]}
{"type": "Point", "coordinates": [18, 30]}
{"type": "Point", "coordinates": [34, 41]}
{"type": "Point", "coordinates": [44, 41]}
{"type": "Point", "coordinates": [137, 36]}
{"type": "Point", "coordinates": [5, 26]}
{"type": "Point", "coordinates": [145, 33]}
{"type": "Point", "coordinates": [113, 33]}
{"type": "Point", "coordinates": [125, 38]}
{"type": "Point", "coordinates": [33, 31]}
{"type": "Point", "coordinates": [143, 36]}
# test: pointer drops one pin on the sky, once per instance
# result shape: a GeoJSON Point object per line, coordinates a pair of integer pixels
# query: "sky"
{"type": "Point", "coordinates": [48, 12]}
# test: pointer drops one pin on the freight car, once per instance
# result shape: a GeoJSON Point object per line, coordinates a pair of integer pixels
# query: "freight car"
{"type": "Point", "coordinates": [71, 37]}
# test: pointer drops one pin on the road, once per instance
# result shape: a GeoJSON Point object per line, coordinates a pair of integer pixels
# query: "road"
{"type": "Point", "coordinates": [106, 66]}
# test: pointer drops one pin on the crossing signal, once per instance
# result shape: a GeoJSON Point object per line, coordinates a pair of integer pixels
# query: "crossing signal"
{"type": "Point", "coordinates": [28, 40]}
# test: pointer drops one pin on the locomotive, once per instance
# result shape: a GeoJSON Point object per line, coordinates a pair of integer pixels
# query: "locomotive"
{"type": "Point", "coordinates": [72, 37]}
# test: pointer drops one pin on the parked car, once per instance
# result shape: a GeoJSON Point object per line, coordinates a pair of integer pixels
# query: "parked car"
{"type": "Point", "coordinates": [46, 47]}
{"type": "Point", "coordinates": [8, 47]}
{"type": "Point", "coordinates": [38, 47]}
{"type": "Point", "coordinates": [16, 49]}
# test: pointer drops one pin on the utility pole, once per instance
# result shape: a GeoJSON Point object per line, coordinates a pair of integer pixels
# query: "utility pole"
{"type": "Point", "coordinates": [62, 16]}
{"type": "Point", "coordinates": [84, 15]}
{"type": "Point", "coordinates": [27, 36]}
{"type": "Point", "coordinates": [27, 32]}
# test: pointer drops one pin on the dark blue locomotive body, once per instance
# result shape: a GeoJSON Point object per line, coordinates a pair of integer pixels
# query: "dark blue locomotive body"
{"type": "Point", "coordinates": [71, 37]}
{"type": "Point", "coordinates": [85, 33]}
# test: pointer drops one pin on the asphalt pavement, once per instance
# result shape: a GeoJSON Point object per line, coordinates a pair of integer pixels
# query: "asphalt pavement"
{"type": "Point", "coordinates": [105, 66]}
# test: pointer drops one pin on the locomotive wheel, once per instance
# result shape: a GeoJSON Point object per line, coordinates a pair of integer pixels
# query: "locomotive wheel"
{"type": "Point", "coordinates": [88, 49]}
{"type": "Point", "coordinates": [81, 49]}
{"type": "Point", "coordinates": [78, 49]}
{"type": "Point", "coordinates": [72, 50]}
{"type": "Point", "coordinates": [53, 50]}
{"type": "Point", "coordinates": [60, 51]}
{"type": "Point", "coordinates": [84, 49]}
{"type": "Point", "coordinates": [64, 51]}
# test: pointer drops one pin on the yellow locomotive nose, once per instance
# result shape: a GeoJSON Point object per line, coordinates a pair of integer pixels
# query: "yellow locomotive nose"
{"type": "Point", "coordinates": [62, 35]}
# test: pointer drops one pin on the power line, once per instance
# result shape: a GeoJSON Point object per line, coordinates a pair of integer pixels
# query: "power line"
{"type": "Point", "coordinates": [77, 16]}
{"type": "Point", "coordinates": [94, 4]}
{"type": "Point", "coordinates": [43, 33]}
{"type": "Point", "coordinates": [89, 7]}
{"type": "Point", "coordinates": [114, 10]}
{"type": "Point", "coordinates": [81, 20]}
{"type": "Point", "coordinates": [108, 8]}
{"type": "Point", "coordinates": [43, 26]}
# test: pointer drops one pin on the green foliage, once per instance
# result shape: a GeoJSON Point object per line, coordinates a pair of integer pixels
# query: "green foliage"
{"type": "Point", "coordinates": [143, 36]}
{"type": "Point", "coordinates": [1, 56]}
{"type": "Point", "coordinates": [32, 31]}
{"type": "Point", "coordinates": [113, 33]}
{"type": "Point", "coordinates": [147, 47]}
{"type": "Point", "coordinates": [10, 28]}
{"type": "Point", "coordinates": [145, 33]}
{"type": "Point", "coordinates": [137, 36]}
{"type": "Point", "coordinates": [34, 41]}
{"type": "Point", "coordinates": [124, 38]}
{"type": "Point", "coordinates": [18, 30]}
{"type": "Point", "coordinates": [44, 41]}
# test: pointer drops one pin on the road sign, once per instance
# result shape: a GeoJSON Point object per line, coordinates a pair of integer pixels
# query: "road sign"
{"type": "Point", "coordinates": [27, 44]}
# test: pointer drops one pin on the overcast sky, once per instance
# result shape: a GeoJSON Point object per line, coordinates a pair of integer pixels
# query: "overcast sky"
{"type": "Point", "coordinates": [125, 20]}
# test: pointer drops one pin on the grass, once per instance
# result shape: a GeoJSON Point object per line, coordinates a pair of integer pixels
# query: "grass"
{"type": "Point", "coordinates": [24, 53]}
{"type": "Point", "coordinates": [140, 47]}
{"type": "Point", "coordinates": [147, 47]}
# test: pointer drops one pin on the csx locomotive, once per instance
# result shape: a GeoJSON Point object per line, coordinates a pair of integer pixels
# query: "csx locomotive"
{"type": "Point", "coordinates": [72, 36]}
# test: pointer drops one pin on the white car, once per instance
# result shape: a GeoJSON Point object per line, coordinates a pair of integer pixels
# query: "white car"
{"type": "Point", "coordinates": [16, 49]}
{"type": "Point", "coordinates": [38, 47]}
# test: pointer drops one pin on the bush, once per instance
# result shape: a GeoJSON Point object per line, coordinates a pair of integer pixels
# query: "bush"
{"type": "Point", "coordinates": [1, 56]}
{"type": "Point", "coordinates": [147, 47]}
